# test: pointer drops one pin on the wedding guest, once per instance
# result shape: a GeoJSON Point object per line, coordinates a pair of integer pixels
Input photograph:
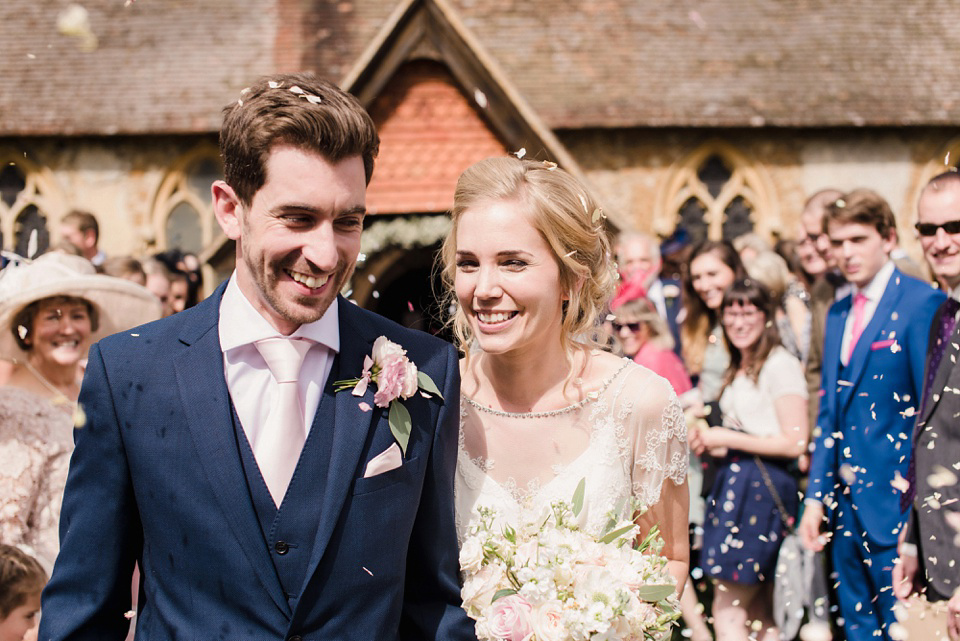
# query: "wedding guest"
{"type": "Point", "coordinates": [929, 557]}
{"type": "Point", "coordinates": [791, 301]}
{"type": "Point", "coordinates": [527, 270]}
{"type": "Point", "coordinates": [645, 338]}
{"type": "Point", "coordinates": [714, 265]}
{"type": "Point", "coordinates": [158, 282]}
{"type": "Point", "coordinates": [80, 228]}
{"type": "Point", "coordinates": [873, 370]}
{"type": "Point", "coordinates": [749, 245]}
{"type": "Point", "coordinates": [754, 497]}
{"type": "Point", "coordinates": [126, 267]}
{"type": "Point", "coordinates": [50, 312]}
{"type": "Point", "coordinates": [640, 264]}
{"type": "Point", "coordinates": [21, 582]}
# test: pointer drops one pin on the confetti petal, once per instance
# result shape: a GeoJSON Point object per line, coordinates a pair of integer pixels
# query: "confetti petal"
{"type": "Point", "coordinates": [365, 406]}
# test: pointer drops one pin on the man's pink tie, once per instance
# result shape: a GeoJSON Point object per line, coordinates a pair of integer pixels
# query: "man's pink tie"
{"type": "Point", "coordinates": [859, 307]}
{"type": "Point", "coordinates": [279, 443]}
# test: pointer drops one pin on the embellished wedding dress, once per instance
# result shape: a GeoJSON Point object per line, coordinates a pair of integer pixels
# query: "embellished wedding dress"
{"type": "Point", "coordinates": [626, 438]}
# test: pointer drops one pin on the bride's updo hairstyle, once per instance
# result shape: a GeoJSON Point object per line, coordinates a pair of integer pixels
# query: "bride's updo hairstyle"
{"type": "Point", "coordinates": [566, 216]}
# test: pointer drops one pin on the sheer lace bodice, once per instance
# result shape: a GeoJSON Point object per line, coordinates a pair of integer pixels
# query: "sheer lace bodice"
{"type": "Point", "coordinates": [626, 438]}
{"type": "Point", "coordinates": [36, 439]}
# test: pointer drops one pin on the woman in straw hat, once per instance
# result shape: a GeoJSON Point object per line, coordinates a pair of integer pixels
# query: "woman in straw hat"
{"type": "Point", "coordinates": [51, 310]}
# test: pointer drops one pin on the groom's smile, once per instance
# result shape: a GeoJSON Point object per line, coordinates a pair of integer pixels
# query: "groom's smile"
{"type": "Point", "coordinates": [299, 238]}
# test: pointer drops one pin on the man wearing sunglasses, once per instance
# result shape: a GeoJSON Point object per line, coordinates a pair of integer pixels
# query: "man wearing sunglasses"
{"type": "Point", "coordinates": [929, 557]}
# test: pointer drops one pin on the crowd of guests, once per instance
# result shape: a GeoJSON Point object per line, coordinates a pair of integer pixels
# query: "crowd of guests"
{"type": "Point", "coordinates": [52, 308]}
{"type": "Point", "coordinates": [817, 405]}
{"type": "Point", "coordinates": [812, 376]}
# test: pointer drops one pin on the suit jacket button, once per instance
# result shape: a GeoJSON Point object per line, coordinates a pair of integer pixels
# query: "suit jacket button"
{"type": "Point", "coordinates": [295, 637]}
{"type": "Point", "coordinates": [282, 548]}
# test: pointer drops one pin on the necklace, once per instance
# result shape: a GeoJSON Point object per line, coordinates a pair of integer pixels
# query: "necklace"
{"type": "Point", "coordinates": [59, 398]}
{"type": "Point", "coordinates": [591, 396]}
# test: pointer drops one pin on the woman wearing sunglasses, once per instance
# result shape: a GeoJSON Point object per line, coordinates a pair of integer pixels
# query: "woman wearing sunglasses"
{"type": "Point", "coordinates": [754, 496]}
{"type": "Point", "coordinates": [645, 337]}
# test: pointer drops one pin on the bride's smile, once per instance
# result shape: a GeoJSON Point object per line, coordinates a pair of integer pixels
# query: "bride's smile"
{"type": "Point", "coordinates": [507, 280]}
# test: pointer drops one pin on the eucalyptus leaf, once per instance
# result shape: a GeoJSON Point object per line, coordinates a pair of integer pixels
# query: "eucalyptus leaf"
{"type": "Point", "coordinates": [400, 424]}
{"type": "Point", "coordinates": [578, 497]}
{"type": "Point", "coordinates": [654, 593]}
{"type": "Point", "coordinates": [499, 594]}
{"type": "Point", "coordinates": [616, 534]}
{"type": "Point", "coordinates": [427, 385]}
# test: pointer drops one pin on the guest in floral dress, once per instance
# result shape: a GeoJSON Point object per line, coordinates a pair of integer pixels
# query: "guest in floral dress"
{"type": "Point", "coordinates": [50, 312]}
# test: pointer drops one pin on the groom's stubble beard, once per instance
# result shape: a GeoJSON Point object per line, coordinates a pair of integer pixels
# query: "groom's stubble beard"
{"type": "Point", "coordinates": [300, 310]}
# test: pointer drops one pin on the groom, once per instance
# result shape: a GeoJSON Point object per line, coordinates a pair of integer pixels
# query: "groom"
{"type": "Point", "coordinates": [247, 527]}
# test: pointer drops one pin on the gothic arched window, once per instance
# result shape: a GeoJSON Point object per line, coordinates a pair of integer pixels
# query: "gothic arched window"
{"type": "Point", "coordinates": [716, 193]}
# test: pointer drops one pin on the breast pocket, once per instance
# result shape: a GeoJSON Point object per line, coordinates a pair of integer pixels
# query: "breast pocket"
{"type": "Point", "coordinates": [406, 473]}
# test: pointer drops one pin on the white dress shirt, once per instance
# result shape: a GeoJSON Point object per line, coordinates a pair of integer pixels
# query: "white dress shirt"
{"type": "Point", "coordinates": [873, 292]}
{"type": "Point", "coordinates": [655, 296]}
{"type": "Point", "coordinates": [251, 385]}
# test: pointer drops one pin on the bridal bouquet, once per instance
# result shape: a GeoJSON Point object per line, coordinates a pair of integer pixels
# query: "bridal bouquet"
{"type": "Point", "coordinates": [547, 580]}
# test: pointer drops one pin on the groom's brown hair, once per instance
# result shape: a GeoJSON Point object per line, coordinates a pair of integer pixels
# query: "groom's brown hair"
{"type": "Point", "coordinates": [294, 109]}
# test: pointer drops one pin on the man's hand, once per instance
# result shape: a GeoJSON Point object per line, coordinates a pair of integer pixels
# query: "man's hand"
{"type": "Point", "coordinates": [953, 617]}
{"type": "Point", "coordinates": [810, 525]}
{"type": "Point", "coordinates": [905, 576]}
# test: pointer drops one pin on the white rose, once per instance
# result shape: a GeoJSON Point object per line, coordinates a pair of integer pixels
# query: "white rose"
{"type": "Point", "coordinates": [478, 590]}
{"type": "Point", "coordinates": [548, 622]}
{"type": "Point", "coordinates": [471, 555]}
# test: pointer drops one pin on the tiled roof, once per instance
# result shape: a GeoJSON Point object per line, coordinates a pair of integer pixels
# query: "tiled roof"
{"type": "Point", "coordinates": [170, 65]}
{"type": "Point", "coordinates": [157, 66]}
{"type": "Point", "coordinates": [429, 134]}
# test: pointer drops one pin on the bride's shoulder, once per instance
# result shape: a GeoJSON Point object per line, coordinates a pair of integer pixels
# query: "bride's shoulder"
{"type": "Point", "coordinates": [627, 382]}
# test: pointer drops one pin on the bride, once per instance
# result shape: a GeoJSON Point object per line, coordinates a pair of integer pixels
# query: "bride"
{"type": "Point", "coordinates": [528, 266]}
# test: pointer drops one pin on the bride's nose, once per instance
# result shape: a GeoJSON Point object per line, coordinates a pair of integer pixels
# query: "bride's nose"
{"type": "Point", "coordinates": [488, 283]}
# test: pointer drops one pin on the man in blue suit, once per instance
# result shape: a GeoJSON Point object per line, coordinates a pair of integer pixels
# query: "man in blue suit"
{"type": "Point", "coordinates": [874, 348]}
{"type": "Point", "coordinates": [321, 525]}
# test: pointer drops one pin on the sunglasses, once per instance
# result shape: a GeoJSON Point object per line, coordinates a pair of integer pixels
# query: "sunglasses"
{"type": "Point", "coordinates": [633, 327]}
{"type": "Point", "coordinates": [930, 229]}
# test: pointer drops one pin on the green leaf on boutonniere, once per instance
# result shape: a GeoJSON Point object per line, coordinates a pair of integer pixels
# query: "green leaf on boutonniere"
{"type": "Point", "coordinates": [426, 383]}
{"type": "Point", "coordinates": [400, 424]}
{"type": "Point", "coordinates": [578, 497]}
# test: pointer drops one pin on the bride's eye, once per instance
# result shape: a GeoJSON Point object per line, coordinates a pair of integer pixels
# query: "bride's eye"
{"type": "Point", "coordinates": [515, 263]}
{"type": "Point", "coordinates": [465, 264]}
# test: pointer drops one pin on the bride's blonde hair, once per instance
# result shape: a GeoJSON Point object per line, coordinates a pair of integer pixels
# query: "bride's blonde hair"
{"type": "Point", "coordinates": [565, 215]}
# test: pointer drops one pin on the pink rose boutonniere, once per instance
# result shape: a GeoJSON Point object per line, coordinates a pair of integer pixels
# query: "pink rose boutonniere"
{"type": "Point", "coordinates": [396, 377]}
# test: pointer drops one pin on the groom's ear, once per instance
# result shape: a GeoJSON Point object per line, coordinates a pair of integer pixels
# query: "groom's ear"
{"type": "Point", "coordinates": [227, 208]}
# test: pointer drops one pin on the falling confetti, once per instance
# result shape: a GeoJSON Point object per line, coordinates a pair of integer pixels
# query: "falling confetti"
{"type": "Point", "coordinates": [520, 153]}
{"type": "Point", "coordinates": [74, 21]}
{"type": "Point", "coordinates": [941, 477]}
{"type": "Point", "coordinates": [367, 571]}
{"type": "Point", "coordinates": [597, 215]}
{"type": "Point", "coordinates": [480, 98]}
{"type": "Point", "coordinates": [364, 406]}
{"type": "Point", "coordinates": [129, 614]}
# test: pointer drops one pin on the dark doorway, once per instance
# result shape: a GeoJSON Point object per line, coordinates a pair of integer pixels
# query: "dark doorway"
{"type": "Point", "coordinates": [408, 292]}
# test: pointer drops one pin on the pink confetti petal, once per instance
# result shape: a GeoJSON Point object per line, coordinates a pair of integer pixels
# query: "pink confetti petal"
{"type": "Point", "coordinates": [365, 406]}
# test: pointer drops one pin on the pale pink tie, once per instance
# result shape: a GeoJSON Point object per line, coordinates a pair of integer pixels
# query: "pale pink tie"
{"type": "Point", "coordinates": [859, 307]}
{"type": "Point", "coordinates": [279, 443]}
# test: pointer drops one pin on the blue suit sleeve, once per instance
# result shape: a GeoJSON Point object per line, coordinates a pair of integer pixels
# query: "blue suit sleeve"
{"type": "Point", "coordinates": [432, 604]}
{"type": "Point", "coordinates": [100, 532]}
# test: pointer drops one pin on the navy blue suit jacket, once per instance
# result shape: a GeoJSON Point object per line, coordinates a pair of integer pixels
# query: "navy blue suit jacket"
{"type": "Point", "coordinates": [156, 478]}
{"type": "Point", "coordinates": [868, 408]}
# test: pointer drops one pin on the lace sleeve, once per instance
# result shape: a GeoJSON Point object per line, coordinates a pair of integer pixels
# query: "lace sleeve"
{"type": "Point", "coordinates": [658, 433]}
{"type": "Point", "coordinates": [34, 457]}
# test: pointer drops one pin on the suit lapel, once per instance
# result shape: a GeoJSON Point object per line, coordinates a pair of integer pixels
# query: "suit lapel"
{"type": "Point", "coordinates": [881, 316]}
{"type": "Point", "coordinates": [206, 404]}
{"type": "Point", "coordinates": [350, 426]}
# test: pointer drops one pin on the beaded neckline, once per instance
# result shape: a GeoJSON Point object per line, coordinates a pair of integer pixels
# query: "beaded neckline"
{"type": "Point", "coordinates": [592, 396]}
